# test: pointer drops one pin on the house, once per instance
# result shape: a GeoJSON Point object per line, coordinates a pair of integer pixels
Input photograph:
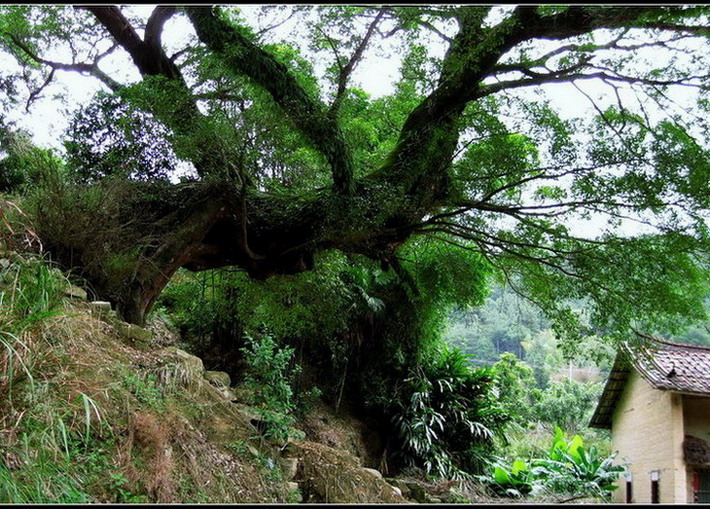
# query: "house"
{"type": "Point", "coordinates": [657, 404]}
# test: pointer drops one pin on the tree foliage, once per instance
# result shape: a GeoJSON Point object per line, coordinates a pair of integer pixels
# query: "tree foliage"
{"type": "Point", "coordinates": [292, 158]}
{"type": "Point", "coordinates": [22, 164]}
{"type": "Point", "coordinates": [460, 151]}
{"type": "Point", "coordinates": [109, 138]}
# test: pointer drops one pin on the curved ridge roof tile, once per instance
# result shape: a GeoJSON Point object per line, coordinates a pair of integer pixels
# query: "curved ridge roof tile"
{"type": "Point", "coordinates": [665, 365]}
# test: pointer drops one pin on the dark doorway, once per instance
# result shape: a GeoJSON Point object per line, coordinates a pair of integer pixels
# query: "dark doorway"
{"type": "Point", "coordinates": [655, 496]}
{"type": "Point", "coordinates": [629, 492]}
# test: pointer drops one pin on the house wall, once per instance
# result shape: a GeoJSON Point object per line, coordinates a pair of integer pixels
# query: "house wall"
{"type": "Point", "coordinates": [647, 430]}
{"type": "Point", "coordinates": [696, 416]}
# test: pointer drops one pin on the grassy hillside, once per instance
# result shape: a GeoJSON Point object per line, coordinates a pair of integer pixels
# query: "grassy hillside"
{"type": "Point", "coordinates": [95, 410]}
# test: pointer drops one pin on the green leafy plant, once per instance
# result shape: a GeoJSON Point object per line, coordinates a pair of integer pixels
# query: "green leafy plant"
{"type": "Point", "coordinates": [572, 468]}
{"type": "Point", "coordinates": [513, 480]}
{"type": "Point", "coordinates": [25, 164]}
{"type": "Point", "coordinates": [445, 416]}
{"type": "Point", "coordinates": [117, 484]}
{"type": "Point", "coordinates": [239, 447]}
{"type": "Point", "coordinates": [145, 389]}
{"type": "Point", "coordinates": [269, 377]}
{"type": "Point", "coordinates": [569, 468]}
{"type": "Point", "coordinates": [30, 291]}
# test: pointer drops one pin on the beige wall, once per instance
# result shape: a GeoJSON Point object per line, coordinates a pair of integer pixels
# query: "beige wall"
{"type": "Point", "coordinates": [647, 430]}
{"type": "Point", "coordinates": [696, 416]}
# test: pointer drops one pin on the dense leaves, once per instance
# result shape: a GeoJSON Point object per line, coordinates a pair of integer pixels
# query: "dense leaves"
{"type": "Point", "coordinates": [110, 138]}
{"type": "Point", "coordinates": [22, 164]}
{"type": "Point", "coordinates": [459, 150]}
{"type": "Point", "coordinates": [445, 415]}
{"type": "Point", "coordinates": [568, 468]}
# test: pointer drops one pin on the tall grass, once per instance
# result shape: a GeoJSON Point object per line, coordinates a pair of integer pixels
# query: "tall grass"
{"type": "Point", "coordinates": [10, 360]}
{"type": "Point", "coordinates": [39, 444]}
{"type": "Point", "coordinates": [30, 293]}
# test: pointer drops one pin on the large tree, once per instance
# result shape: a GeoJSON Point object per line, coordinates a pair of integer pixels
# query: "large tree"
{"type": "Point", "coordinates": [290, 160]}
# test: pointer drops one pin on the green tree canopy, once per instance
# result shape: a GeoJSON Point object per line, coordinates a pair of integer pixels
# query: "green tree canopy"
{"type": "Point", "coordinates": [291, 159]}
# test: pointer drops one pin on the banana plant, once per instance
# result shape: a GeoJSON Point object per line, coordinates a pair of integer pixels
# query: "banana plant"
{"type": "Point", "coordinates": [572, 467]}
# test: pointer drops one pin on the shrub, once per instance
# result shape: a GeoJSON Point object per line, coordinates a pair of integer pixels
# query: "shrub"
{"type": "Point", "coordinates": [270, 377]}
{"type": "Point", "coordinates": [445, 416]}
{"type": "Point", "coordinates": [514, 480]}
{"type": "Point", "coordinates": [572, 468]}
{"type": "Point", "coordinates": [569, 468]}
{"type": "Point", "coordinates": [24, 165]}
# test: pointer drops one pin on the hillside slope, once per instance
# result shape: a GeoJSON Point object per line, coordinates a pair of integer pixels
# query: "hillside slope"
{"type": "Point", "coordinates": [93, 409]}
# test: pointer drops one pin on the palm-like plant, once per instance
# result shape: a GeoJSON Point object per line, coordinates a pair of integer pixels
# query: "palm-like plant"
{"type": "Point", "coordinates": [444, 415]}
{"type": "Point", "coordinates": [571, 467]}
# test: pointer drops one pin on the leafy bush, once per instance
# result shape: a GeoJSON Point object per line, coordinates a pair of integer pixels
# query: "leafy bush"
{"type": "Point", "coordinates": [270, 377]}
{"type": "Point", "coordinates": [24, 165]}
{"type": "Point", "coordinates": [445, 416]}
{"type": "Point", "coordinates": [370, 336]}
{"type": "Point", "coordinates": [569, 468]}
{"type": "Point", "coordinates": [514, 480]}
{"type": "Point", "coordinates": [572, 468]}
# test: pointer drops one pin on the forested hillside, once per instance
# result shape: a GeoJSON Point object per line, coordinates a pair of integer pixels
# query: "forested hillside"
{"type": "Point", "coordinates": [559, 388]}
{"type": "Point", "coordinates": [339, 253]}
{"type": "Point", "coordinates": [509, 323]}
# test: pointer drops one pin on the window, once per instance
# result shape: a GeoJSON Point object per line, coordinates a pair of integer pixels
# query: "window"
{"type": "Point", "coordinates": [629, 487]}
{"type": "Point", "coordinates": [701, 486]}
{"type": "Point", "coordinates": [629, 491]}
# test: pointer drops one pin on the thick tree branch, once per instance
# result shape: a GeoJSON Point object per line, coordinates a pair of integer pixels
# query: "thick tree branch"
{"type": "Point", "coordinates": [148, 56]}
{"type": "Point", "coordinates": [213, 154]}
{"type": "Point", "coordinates": [471, 57]}
{"type": "Point", "coordinates": [541, 61]}
{"type": "Point", "coordinates": [156, 22]}
{"type": "Point", "coordinates": [307, 113]}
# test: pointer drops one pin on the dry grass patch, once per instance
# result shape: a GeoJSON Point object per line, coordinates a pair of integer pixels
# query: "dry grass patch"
{"type": "Point", "coordinates": [329, 475]}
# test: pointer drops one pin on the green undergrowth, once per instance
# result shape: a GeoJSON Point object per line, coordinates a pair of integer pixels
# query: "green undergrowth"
{"type": "Point", "coordinates": [87, 418]}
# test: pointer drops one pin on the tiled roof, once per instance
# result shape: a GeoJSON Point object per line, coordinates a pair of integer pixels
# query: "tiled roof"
{"type": "Point", "coordinates": [673, 366]}
{"type": "Point", "coordinates": [666, 366]}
